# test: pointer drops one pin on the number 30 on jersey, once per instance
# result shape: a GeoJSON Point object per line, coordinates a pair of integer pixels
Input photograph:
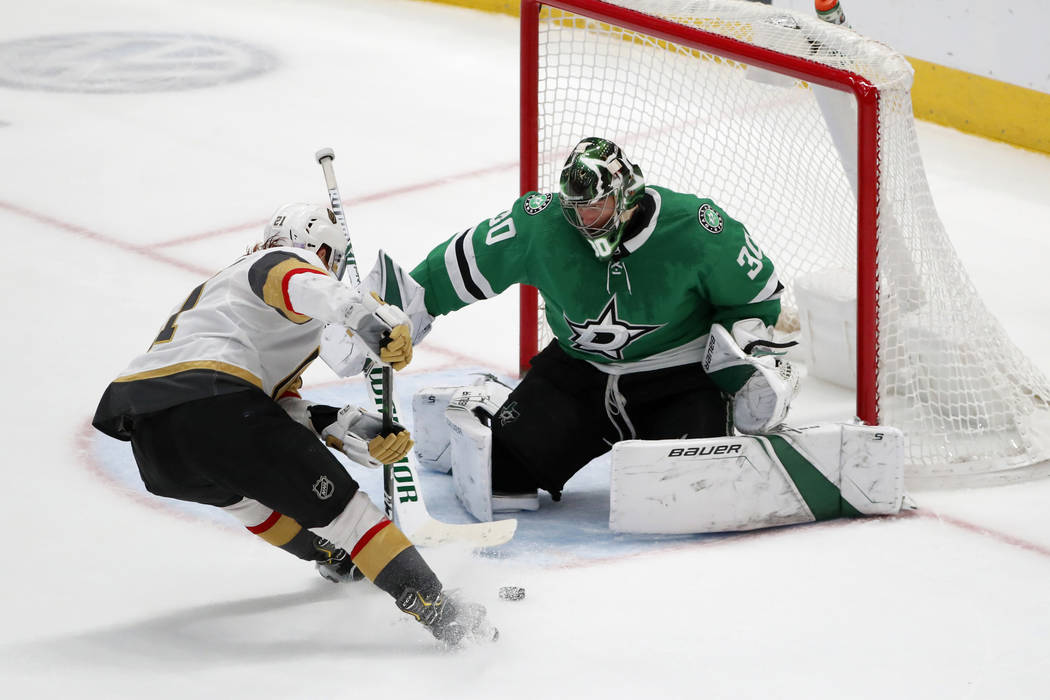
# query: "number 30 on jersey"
{"type": "Point", "coordinates": [501, 228]}
{"type": "Point", "coordinates": [750, 256]}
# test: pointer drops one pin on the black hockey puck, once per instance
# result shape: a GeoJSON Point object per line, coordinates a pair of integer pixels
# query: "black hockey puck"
{"type": "Point", "coordinates": [511, 593]}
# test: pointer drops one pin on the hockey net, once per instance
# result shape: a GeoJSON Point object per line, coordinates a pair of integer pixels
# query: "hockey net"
{"type": "Point", "coordinates": [803, 131]}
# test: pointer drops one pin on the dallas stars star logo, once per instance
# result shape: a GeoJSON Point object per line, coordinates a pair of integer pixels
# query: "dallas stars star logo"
{"type": "Point", "coordinates": [607, 335]}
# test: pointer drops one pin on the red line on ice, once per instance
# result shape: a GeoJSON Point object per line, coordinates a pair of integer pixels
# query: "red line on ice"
{"type": "Point", "coordinates": [145, 251]}
{"type": "Point", "coordinates": [347, 203]}
{"type": "Point", "coordinates": [981, 530]}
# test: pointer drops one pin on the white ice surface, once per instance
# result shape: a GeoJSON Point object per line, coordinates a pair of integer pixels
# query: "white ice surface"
{"type": "Point", "coordinates": [115, 205]}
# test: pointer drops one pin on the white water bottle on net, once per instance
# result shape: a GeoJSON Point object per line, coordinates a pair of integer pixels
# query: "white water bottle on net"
{"type": "Point", "coordinates": [830, 11]}
{"type": "Point", "coordinates": [803, 130]}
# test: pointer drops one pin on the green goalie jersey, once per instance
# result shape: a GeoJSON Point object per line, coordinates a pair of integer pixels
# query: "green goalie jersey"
{"type": "Point", "coordinates": [683, 265]}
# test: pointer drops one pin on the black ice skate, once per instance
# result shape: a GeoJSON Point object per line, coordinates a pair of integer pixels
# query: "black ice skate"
{"type": "Point", "coordinates": [334, 564]}
{"type": "Point", "coordinates": [449, 619]}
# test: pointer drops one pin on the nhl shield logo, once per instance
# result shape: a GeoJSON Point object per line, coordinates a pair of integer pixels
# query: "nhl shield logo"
{"type": "Point", "coordinates": [509, 413]}
{"type": "Point", "coordinates": [324, 488]}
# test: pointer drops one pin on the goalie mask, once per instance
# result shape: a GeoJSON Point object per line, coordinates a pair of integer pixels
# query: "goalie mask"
{"type": "Point", "coordinates": [599, 190]}
{"type": "Point", "coordinates": [311, 227]}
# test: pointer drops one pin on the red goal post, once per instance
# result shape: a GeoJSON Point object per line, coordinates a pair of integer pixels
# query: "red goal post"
{"type": "Point", "coordinates": [803, 131]}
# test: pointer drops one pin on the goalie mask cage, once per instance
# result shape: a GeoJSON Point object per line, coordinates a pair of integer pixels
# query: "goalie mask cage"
{"type": "Point", "coordinates": [803, 131]}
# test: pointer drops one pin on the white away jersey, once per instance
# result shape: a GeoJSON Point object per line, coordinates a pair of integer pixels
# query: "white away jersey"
{"type": "Point", "coordinates": [242, 328]}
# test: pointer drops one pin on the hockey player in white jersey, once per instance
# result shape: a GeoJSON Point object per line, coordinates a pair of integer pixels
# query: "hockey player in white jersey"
{"type": "Point", "coordinates": [213, 414]}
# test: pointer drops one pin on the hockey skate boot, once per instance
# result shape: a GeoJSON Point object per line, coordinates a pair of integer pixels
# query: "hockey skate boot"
{"type": "Point", "coordinates": [334, 564]}
{"type": "Point", "coordinates": [449, 619]}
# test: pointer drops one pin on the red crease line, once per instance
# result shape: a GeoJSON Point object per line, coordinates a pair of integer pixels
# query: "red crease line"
{"type": "Point", "coordinates": [981, 530]}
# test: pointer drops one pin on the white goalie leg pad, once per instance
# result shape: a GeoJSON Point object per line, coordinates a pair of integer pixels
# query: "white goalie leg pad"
{"type": "Point", "coordinates": [872, 474]}
{"type": "Point", "coordinates": [471, 452]}
{"type": "Point", "coordinates": [750, 482]}
{"type": "Point", "coordinates": [430, 430]}
{"type": "Point", "coordinates": [469, 415]}
{"type": "Point", "coordinates": [692, 486]}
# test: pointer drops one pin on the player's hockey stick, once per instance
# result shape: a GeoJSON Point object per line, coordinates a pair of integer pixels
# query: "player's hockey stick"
{"type": "Point", "coordinates": [402, 495]}
{"type": "Point", "coordinates": [325, 156]}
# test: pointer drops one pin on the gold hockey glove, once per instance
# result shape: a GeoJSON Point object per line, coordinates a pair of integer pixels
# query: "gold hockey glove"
{"type": "Point", "coordinates": [396, 348]}
{"type": "Point", "coordinates": [391, 448]}
{"type": "Point", "coordinates": [355, 431]}
{"type": "Point", "coordinates": [374, 323]}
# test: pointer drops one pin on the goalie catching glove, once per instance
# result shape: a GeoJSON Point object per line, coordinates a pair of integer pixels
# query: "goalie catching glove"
{"type": "Point", "coordinates": [358, 434]}
{"type": "Point", "coordinates": [761, 384]}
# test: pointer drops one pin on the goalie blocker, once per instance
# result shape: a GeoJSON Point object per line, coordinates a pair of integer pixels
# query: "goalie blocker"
{"type": "Point", "coordinates": [796, 475]}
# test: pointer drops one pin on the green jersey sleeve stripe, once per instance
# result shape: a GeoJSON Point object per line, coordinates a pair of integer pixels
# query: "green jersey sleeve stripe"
{"type": "Point", "coordinates": [773, 290]}
{"type": "Point", "coordinates": [462, 267]}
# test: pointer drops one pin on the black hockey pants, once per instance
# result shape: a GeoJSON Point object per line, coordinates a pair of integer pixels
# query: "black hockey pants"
{"type": "Point", "coordinates": [565, 412]}
{"type": "Point", "coordinates": [222, 448]}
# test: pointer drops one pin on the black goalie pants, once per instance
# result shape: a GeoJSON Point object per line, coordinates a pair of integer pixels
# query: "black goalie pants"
{"type": "Point", "coordinates": [222, 448]}
{"type": "Point", "coordinates": [564, 413]}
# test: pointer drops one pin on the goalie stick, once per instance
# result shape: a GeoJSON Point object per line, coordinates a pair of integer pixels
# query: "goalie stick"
{"type": "Point", "coordinates": [401, 480]}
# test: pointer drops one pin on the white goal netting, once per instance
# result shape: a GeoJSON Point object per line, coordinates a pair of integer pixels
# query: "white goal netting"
{"type": "Point", "coordinates": [780, 155]}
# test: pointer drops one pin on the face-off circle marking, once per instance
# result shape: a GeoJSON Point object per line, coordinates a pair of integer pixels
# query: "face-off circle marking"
{"type": "Point", "coordinates": [128, 62]}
